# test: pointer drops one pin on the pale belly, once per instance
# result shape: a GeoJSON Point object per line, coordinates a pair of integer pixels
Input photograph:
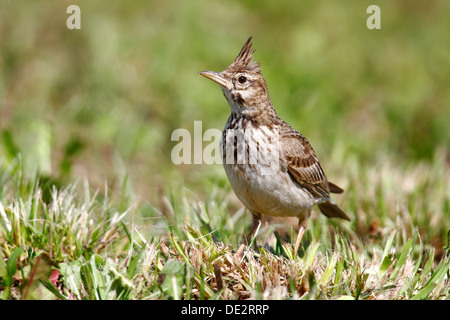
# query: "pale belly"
{"type": "Point", "coordinates": [274, 195]}
{"type": "Point", "coordinates": [258, 180]}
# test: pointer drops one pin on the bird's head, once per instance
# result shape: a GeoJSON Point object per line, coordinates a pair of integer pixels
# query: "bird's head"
{"type": "Point", "coordinates": [242, 83]}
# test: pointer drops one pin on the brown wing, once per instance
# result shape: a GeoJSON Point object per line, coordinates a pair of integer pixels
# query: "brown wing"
{"type": "Point", "coordinates": [334, 188]}
{"type": "Point", "coordinates": [304, 167]}
{"type": "Point", "coordinates": [302, 162]}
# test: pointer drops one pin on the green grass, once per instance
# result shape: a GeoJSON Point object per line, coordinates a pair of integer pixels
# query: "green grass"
{"type": "Point", "coordinates": [91, 206]}
{"type": "Point", "coordinates": [78, 246]}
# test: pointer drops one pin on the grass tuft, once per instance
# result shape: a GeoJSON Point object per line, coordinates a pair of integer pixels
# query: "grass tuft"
{"type": "Point", "coordinates": [77, 246]}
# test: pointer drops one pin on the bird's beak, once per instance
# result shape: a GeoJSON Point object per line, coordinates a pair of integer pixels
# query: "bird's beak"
{"type": "Point", "coordinates": [216, 77]}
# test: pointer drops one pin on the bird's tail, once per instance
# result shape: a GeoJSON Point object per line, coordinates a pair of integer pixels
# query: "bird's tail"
{"type": "Point", "coordinates": [332, 210]}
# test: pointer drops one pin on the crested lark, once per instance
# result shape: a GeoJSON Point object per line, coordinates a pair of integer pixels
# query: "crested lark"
{"type": "Point", "coordinates": [272, 168]}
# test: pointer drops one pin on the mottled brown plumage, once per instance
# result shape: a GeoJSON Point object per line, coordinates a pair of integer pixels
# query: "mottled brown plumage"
{"type": "Point", "coordinates": [288, 179]}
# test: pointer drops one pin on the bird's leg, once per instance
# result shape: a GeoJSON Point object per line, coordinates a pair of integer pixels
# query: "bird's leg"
{"type": "Point", "coordinates": [253, 229]}
{"type": "Point", "coordinates": [302, 223]}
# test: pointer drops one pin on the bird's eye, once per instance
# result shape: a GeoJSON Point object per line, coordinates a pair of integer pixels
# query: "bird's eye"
{"type": "Point", "coordinates": [242, 79]}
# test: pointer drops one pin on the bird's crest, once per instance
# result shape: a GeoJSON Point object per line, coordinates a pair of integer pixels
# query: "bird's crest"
{"type": "Point", "coordinates": [244, 60]}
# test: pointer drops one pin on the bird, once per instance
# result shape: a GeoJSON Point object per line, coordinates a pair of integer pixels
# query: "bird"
{"type": "Point", "coordinates": [272, 168]}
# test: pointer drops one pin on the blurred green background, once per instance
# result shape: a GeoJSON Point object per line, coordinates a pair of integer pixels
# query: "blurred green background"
{"type": "Point", "coordinates": [102, 102]}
